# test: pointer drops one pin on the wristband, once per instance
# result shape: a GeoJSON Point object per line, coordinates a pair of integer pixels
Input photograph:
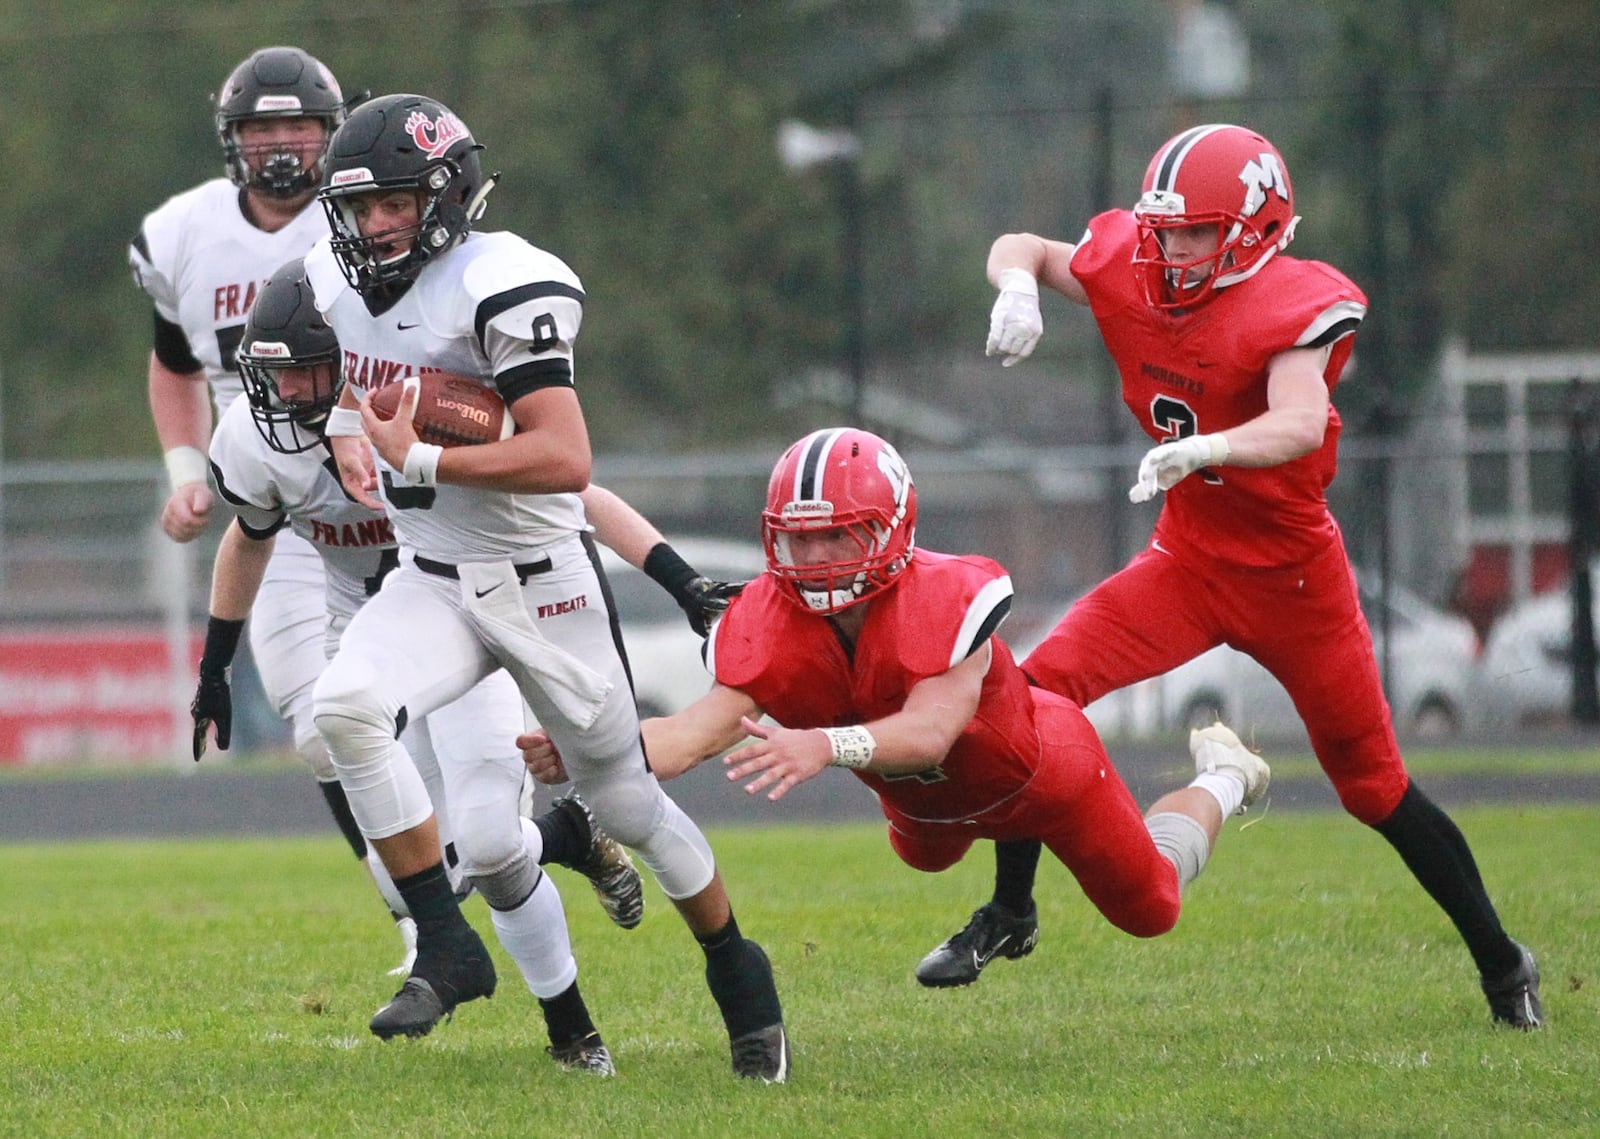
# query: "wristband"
{"type": "Point", "coordinates": [667, 569]}
{"type": "Point", "coordinates": [222, 641]}
{"type": "Point", "coordinates": [186, 465]}
{"type": "Point", "coordinates": [1217, 447]}
{"type": "Point", "coordinates": [421, 467]}
{"type": "Point", "coordinates": [1018, 281]}
{"type": "Point", "coordinates": [343, 421]}
{"type": "Point", "coordinates": [852, 746]}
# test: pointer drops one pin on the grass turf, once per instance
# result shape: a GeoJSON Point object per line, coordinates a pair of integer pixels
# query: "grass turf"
{"type": "Point", "coordinates": [1311, 988]}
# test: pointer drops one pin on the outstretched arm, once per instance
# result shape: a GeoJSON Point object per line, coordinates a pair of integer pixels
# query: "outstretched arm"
{"type": "Point", "coordinates": [674, 744]}
{"type": "Point", "coordinates": [641, 545]}
{"type": "Point", "coordinates": [915, 738]}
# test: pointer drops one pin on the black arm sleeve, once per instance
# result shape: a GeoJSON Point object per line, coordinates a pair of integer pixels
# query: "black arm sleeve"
{"type": "Point", "coordinates": [172, 347]}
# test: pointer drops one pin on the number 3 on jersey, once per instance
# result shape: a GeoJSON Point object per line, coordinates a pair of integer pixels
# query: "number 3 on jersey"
{"type": "Point", "coordinates": [1176, 420]}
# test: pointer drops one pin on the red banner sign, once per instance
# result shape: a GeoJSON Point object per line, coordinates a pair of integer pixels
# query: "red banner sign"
{"type": "Point", "coordinates": [91, 693]}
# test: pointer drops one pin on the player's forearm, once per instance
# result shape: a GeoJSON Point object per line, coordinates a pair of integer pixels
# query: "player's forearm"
{"type": "Point", "coordinates": [523, 464]}
{"type": "Point", "coordinates": [904, 745]}
{"type": "Point", "coordinates": [706, 728]}
{"type": "Point", "coordinates": [1275, 437]}
{"type": "Point", "coordinates": [675, 744]}
{"type": "Point", "coordinates": [236, 575]}
{"type": "Point", "coordinates": [630, 534]}
{"type": "Point", "coordinates": [180, 406]}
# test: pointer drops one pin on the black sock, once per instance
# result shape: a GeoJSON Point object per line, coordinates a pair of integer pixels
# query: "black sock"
{"type": "Point", "coordinates": [565, 831]}
{"type": "Point", "coordinates": [1015, 864]}
{"type": "Point", "coordinates": [1436, 852]}
{"type": "Point", "coordinates": [566, 1017]}
{"type": "Point", "coordinates": [740, 978]}
{"type": "Point", "coordinates": [428, 896]}
{"type": "Point", "coordinates": [333, 792]}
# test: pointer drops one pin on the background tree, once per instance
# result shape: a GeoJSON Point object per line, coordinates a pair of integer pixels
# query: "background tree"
{"type": "Point", "coordinates": [1442, 152]}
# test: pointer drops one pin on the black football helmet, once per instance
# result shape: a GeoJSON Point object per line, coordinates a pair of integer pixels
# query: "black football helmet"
{"type": "Point", "coordinates": [289, 361]}
{"type": "Point", "coordinates": [277, 83]}
{"type": "Point", "coordinates": [402, 142]}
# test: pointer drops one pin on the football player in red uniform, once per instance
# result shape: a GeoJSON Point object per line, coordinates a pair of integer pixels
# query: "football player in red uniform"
{"type": "Point", "coordinates": [1228, 353]}
{"type": "Point", "coordinates": [882, 658]}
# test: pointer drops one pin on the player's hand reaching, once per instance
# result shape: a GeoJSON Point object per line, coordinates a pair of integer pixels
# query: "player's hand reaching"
{"type": "Point", "coordinates": [213, 706]}
{"type": "Point", "coordinates": [703, 601]}
{"type": "Point", "coordinates": [779, 758]}
{"type": "Point", "coordinates": [1163, 467]}
{"type": "Point", "coordinates": [1015, 324]}
{"type": "Point", "coordinates": [541, 757]}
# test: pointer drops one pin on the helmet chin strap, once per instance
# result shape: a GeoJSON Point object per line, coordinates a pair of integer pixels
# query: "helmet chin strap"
{"type": "Point", "coordinates": [832, 600]}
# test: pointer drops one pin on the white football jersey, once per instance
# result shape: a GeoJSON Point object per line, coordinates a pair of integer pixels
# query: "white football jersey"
{"type": "Point", "coordinates": [202, 262]}
{"type": "Point", "coordinates": [494, 308]}
{"type": "Point", "coordinates": [264, 487]}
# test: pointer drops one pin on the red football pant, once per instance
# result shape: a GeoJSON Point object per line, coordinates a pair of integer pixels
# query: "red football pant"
{"type": "Point", "coordinates": [1078, 806]}
{"type": "Point", "coordinates": [1302, 623]}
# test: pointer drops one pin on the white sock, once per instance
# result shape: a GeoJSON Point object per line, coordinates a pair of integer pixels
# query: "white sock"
{"type": "Point", "coordinates": [1223, 786]}
{"type": "Point", "coordinates": [535, 934]}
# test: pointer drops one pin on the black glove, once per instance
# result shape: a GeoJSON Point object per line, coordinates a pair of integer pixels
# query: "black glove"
{"type": "Point", "coordinates": [703, 600]}
{"type": "Point", "coordinates": [213, 699]}
{"type": "Point", "coordinates": [213, 704]}
{"type": "Point", "coordinates": [700, 598]}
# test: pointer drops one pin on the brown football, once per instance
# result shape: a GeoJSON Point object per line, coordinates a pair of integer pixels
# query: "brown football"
{"type": "Point", "coordinates": [452, 411]}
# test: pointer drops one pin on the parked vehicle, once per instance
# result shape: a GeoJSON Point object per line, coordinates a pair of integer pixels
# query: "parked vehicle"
{"type": "Point", "coordinates": [1432, 658]}
{"type": "Point", "coordinates": [1525, 678]}
{"type": "Point", "coordinates": [663, 652]}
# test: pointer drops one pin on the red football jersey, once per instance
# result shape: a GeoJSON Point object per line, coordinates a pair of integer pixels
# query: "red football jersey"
{"type": "Point", "coordinates": [1206, 370]}
{"type": "Point", "coordinates": [942, 608]}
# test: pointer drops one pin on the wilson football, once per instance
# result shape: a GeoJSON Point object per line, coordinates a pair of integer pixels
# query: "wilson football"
{"type": "Point", "coordinates": [452, 411]}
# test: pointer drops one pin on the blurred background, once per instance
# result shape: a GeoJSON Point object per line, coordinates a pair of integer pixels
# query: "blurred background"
{"type": "Point", "coordinates": [780, 212]}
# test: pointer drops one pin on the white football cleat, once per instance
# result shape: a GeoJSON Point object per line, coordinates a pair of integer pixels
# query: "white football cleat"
{"type": "Point", "coordinates": [1217, 749]}
{"type": "Point", "coordinates": [408, 935]}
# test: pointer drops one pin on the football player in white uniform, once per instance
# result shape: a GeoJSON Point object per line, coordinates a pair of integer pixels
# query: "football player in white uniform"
{"type": "Point", "coordinates": [273, 468]}
{"type": "Point", "coordinates": [201, 257]}
{"type": "Point", "coordinates": [498, 568]}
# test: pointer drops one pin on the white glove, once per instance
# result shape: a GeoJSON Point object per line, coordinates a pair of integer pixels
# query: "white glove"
{"type": "Point", "coordinates": [1014, 323]}
{"type": "Point", "coordinates": [1163, 467]}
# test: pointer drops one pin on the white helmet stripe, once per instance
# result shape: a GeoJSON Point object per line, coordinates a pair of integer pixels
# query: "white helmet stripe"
{"type": "Point", "coordinates": [1167, 173]}
{"type": "Point", "coordinates": [813, 465]}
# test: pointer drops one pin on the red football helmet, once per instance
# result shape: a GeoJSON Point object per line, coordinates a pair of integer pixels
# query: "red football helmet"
{"type": "Point", "coordinates": [841, 518]}
{"type": "Point", "coordinates": [1219, 175]}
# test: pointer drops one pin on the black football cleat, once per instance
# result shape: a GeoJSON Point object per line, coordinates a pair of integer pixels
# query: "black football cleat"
{"type": "Point", "coordinates": [443, 977]}
{"type": "Point", "coordinates": [762, 1055]}
{"type": "Point", "coordinates": [1514, 998]}
{"type": "Point", "coordinates": [607, 866]}
{"type": "Point", "coordinates": [992, 932]}
{"type": "Point", "coordinates": [585, 1054]}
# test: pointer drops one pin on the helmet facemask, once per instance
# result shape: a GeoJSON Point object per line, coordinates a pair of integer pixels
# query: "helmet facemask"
{"type": "Point", "coordinates": [279, 169]}
{"type": "Point", "coordinates": [277, 83]}
{"type": "Point", "coordinates": [289, 361]}
{"type": "Point", "coordinates": [443, 219]}
{"type": "Point", "coordinates": [1214, 175]}
{"type": "Point", "coordinates": [841, 517]}
{"type": "Point", "coordinates": [827, 586]}
{"type": "Point", "coordinates": [290, 397]}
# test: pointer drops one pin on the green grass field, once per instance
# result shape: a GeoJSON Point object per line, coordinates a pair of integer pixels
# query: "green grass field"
{"type": "Point", "coordinates": [223, 988]}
